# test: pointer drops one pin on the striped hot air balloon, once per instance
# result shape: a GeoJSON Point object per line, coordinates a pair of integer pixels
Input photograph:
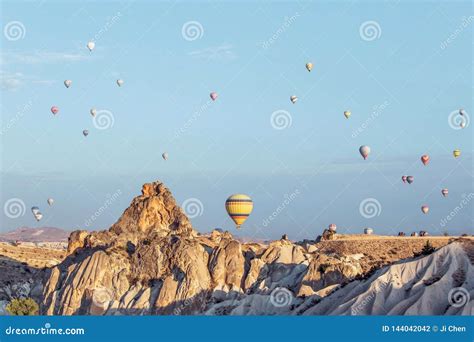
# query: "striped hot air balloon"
{"type": "Point", "coordinates": [239, 207]}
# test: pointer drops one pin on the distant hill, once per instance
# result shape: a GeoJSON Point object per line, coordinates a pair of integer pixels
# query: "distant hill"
{"type": "Point", "coordinates": [42, 234]}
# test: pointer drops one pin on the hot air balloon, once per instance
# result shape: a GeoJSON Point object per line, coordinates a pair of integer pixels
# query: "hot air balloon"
{"type": "Point", "coordinates": [462, 112]}
{"type": "Point", "coordinates": [293, 99]}
{"type": "Point", "coordinates": [119, 82]}
{"type": "Point", "coordinates": [462, 124]}
{"type": "Point", "coordinates": [213, 96]}
{"type": "Point", "coordinates": [444, 192]}
{"type": "Point", "coordinates": [410, 179]}
{"type": "Point", "coordinates": [332, 227]}
{"type": "Point", "coordinates": [165, 156]}
{"type": "Point", "coordinates": [35, 210]}
{"type": "Point", "coordinates": [54, 110]}
{"type": "Point", "coordinates": [364, 151]}
{"type": "Point", "coordinates": [93, 111]}
{"type": "Point", "coordinates": [50, 201]}
{"type": "Point", "coordinates": [67, 83]}
{"type": "Point", "coordinates": [38, 216]}
{"type": "Point", "coordinates": [239, 207]}
{"type": "Point", "coordinates": [404, 179]}
{"type": "Point", "coordinates": [368, 231]}
{"type": "Point", "coordinates": [309, 66]}
{"type": "Point", "coordinates": [425, 159]}
{"type": "Point", "coordinates": [425, 209]}
{"type": "Point", "coordinates": [456, 153]}
{"type": "Point", "coordinates": [91, 46]}
{"type": "Point", "coordinates": [347, 114]}
{"type": "Point", "coordinates": [85, 132]}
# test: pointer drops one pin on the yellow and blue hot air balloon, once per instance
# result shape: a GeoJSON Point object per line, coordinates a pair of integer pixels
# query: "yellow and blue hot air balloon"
{"type": "Point", "coordinates": [239, 207]}
{"type": "Point", "coordinates": [456, 153]}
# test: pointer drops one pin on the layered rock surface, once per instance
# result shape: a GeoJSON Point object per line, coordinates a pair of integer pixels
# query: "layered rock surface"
{"type": "Point", "coordinates": [151, 261]}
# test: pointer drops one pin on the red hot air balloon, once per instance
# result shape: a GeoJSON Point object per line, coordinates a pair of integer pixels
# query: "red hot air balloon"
{"type": "Point", "coordinates": [213, 96]}
{"type": "Point", "coordinates": [425, 209]}
{"type": "Point", "coordinates": [425, 159]}
{"type": "Point", "coordinates": [404, 179]}
{"type": "Point", "coordinates": [364, 151]}
{"type": "Point", "coordinates": [54, 110]}
{"type": "Point", "coordinates": [410, 179]}
{"type": "Point", "coordinates": [444, 192]}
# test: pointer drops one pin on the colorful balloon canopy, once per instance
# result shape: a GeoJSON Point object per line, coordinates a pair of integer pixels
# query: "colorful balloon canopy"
{"type": "Point", "coordinates": [332, 227]}
{"type": "Point", "coordinates": [425, 159]}
{"type": "Point", "coordinates": [404, 179]}
{"type": "Point", "coordinates": [54, 110]}
{"type": "Point", "coordinates": [425, 209]}
{"type": "Point", "coordinates": [309, 66]}
{"type": "Point", "coordinates": [364, 151]}
{"type": "Point", "coordinates": [347, 114]}
{"type": "Point", "coordinates": [462, 112]}
{"type": "Point", "coordinates": [213, 96]}
{"type": "Point", "coordinates": [67, 83]}
{"type": "Point", "coordinates": [85, 132]}
{"type": "Point", "coordinates": [293, 98]}
{"type": "Point", "coordinates": [456, 153]}
{"type": "Point", "coordinates": [445, 192]}
{"type": "Point", "coordinates": [50, 201]}
{"type": "Point", "coordinates": [91, 46]}
{"type": "Point", "coordinates": [410, 179]}
{"type": "Point", "coordinates": [239, 207]}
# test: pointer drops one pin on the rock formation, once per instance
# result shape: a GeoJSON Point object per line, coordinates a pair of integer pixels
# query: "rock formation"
{"type": "Point", "coordinates": [151, 261]}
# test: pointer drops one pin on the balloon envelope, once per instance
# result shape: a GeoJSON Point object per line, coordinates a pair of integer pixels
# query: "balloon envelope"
{"type": "Point", "coordinates": [332, 227]}
{"type": "Point", "coordinates": [85, 132]}
{"type": "Point", "coordinates": [347, 114]}
{"type": "Point", "coordinates": [239, 207]}
{"type": "Point", "coordinates": [445, 192]}
{"type": "Point", "coordinates": [410, 179]}
{"type": "Point", "coordinates": [67, 83]}
{"type": "Point", "coordinates": [456, 153]}
{"type": "Point", "coordinates": [165, 156]}
{"type": "Point", "coordinates": [50, 201]}
{"type": "Point", "coordinates": [364, 151]}
{"type": "Point", "coordinates": [54, 110]}
{"type": "Point", "coordinates": [425, 159]}
{"type": "Point", "coordinates": [293, 99]}
{"type": "Point", "coordinates": [91, 46]}
{"type": "Point", "coordinates": [309, 66]}
{"type": "Point", "coordinates": [404, 179]}
{"type": "Point", "coordinates": [93, 111]}
{"type": "Point", "coordinates": [35, 210]}
{"type": "Point", "coordinates": [119, 82]}
{"type": "Point", "coordinates": [425, 209]}
{"type": "Point", "coordinates": [213, 96]}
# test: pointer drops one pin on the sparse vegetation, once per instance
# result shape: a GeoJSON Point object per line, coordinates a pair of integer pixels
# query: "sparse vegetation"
{"type": "Point", "coordinates": [22, 307]}
{"type": "Point", "coordinates": [427, 248]}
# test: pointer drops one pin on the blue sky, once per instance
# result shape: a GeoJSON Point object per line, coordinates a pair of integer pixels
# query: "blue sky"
{"type": "Point", "coordinates": [401, 84]}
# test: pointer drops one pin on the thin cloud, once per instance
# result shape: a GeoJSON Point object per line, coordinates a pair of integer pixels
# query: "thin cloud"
{"type": "Point", "coordinates": [221, 52]}
{"type": "Point", "coordinates": [14, 81]}
{"type": "Point", "coordinates": [41, 57]}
